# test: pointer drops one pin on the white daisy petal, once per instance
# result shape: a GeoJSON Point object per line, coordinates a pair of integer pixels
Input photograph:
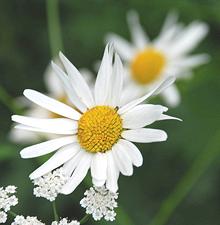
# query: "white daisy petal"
{"type": "Point", "coordinates": [112, 173]}
{"type": "Point", "coordinates": [192, 61]}
{"type": "Point", "coordinates": [102, 83]}
{"type": "Point", "coordinates": [59, 158]}
{"type": "Point", "coordinates": [52, 125]}
{"type": "Point", "coordinates": [51, 104]}
{"type": "Point", "coordinates": [78, 175]}
{"type": "Point", "coordinates": [99, 168]}
{"type": "Point", "coordinates": [166, 83]}
{"type": "Point", "coordinates": [53, 84]}
{"type": "Point", "coordinates": [170, 21]}
{"type": "Point", "coordinates": [133, 152]}
{"type": "Point", "coordinates": [167, 117]}
{"type": "Point", "coordinates": [144, 135]}
{"type": "Point", "coordinates": [74, 98]}
{"type": "Point", "coordinates": [171, 96]}
{"type": "Point", "coordinates": [71, 165]}
{"type": "Point", "coordinates": [46, 147]}
{"type": "Point", "coordinates": [142, 115]}
{"type": "Point", "coordinates": [122, 159]}
{"type": "Point", "coordinates": [81, 87]}
{"type": "Point", "coordinates": [139, 36]}
{"type": "Point", "coordinates": [189, 38]}
{"type": "Point", "coordinates": [117, 82]}
{"type": "Point", "coordinates": [123, 47]}
{"type": "Point", "coordinates": [48, 130]}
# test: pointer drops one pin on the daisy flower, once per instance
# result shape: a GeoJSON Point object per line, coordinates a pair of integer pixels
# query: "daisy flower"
{"type": "Point", "coordinates": [97, 133]}
{"type": "Point", "coordinates": [56, 91]}
{"type": "Point", "coordinates": [149, 62]}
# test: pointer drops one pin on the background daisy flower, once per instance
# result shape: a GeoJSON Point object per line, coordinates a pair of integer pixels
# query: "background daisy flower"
{"type": "Point", "coordinates": [97, 133]}
{"type": "Point", "coordinates": [149, 62]}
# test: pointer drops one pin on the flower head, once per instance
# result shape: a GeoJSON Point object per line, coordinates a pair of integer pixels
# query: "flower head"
{"type": "Point", "coordinates": [7, 200]}
{"type": "Point", "coordinates": [100, 202]}
{"type": "Point", "coordinates": [21, 220]}
{"type": "Point", "coordinates": [50, 185]}
{"type": "Point", "coordinates": [97, 133]}
{"type": "Point", "coordinates": [149, 62]}
{"type": "Point", "coordinates": [65, 222]}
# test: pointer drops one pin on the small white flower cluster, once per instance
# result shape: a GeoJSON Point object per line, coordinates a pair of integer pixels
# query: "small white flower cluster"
{"type": "Point", "coordinates": [66, 222]}
{"type": "Point", "coordinates": [100, 202]}
{"type": "Point", "coordinates": [7, 199]}
{"type": "Point", "coordinates": [50, 185]}
{"type": "Point", "coordinates": [29, 220]}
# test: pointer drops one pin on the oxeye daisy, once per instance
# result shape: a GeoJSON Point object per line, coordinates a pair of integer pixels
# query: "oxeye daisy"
{"type": "Point", "coordinates": [55, 90]}
{"type": "Point", "coordinates": [149, 62]}
{"type": "Point", "coordinates": [97, 133]}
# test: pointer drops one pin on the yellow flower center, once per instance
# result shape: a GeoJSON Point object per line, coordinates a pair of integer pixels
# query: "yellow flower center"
{"type": "Point", "coordinates": [147, 66]}
{"type": "Point", "coordinates": [99, 129]}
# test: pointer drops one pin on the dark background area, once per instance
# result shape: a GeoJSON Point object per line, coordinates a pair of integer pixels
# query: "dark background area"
{"type": "Point", "coordinates": [24, 55]}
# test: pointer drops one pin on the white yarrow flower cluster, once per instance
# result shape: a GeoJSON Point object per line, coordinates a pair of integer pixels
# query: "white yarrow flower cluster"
{"type": "Point", "coordinates": [29, 220]}
{"type": "Point", "coordinates": [64, 221]}
{"type": "Point", "coordinates": [100, 202]}
{"type": "Point", "coordinates": [50, 185]}
{"type": "Point", "coordinates": [7, 200]}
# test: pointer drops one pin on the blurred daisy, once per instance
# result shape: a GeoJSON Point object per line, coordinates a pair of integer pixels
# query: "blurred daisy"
{"type": "Point", "coordinates": [56, 91]}
{"type": "Point", "coordinates": [149, 62]}
{"type": "Point", "coordinates": [97, 133]}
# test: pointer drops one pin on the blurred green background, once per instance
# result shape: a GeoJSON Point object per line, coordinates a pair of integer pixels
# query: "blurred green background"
{"type": "Point", "coordinates": [24, 55]}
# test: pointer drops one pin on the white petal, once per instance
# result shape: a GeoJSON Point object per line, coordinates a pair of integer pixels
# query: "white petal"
{"type": "Point", "coordinates": [144, 135]}
{"type": "Point", "coordinates": [51, 104]}
{"type": "Point", "coordinates": [78, 175]}
{"type": "Point", "coordinates": [81, 87]}
{"type": "Point", "coordinates": [133, 152]}
{"type": "Point", "coordinates": [50, 125]}
{"type": "Point", "coordinates": [167, 117]}
{"type": "Point", "coordinates": [46, 147]}
{"type": "Point", "coordinates": [52, 82]}
{"type": "Point", "coordinates": [74, 98]}
{"type": "Point", "coordinates": [123, 47]}
{"type": "Point", "coordinates": [112, 173]}
{"type": "Point", "coordinates": [116, 82]}
{"type": "Point", "coordinates": [142, 115]}
{"type": "Point", "coordinates": [171, 96]}
{"type": "Point", "coordinates": [48, 130]}
{"type": "Point", "coordinates": [166, 83]}
{"type": "Point", "coordinates": [189, 38]}
{"type": "Point", "coordinates": [59, 158]}
{"type": "Point", "coordinates": [71, 165]}
{"type": "Point", "coordinates": [192, 61]}
{"type": "Point", "coordinates": [139, 36]}
{"type": "Point", "coordinates": [102, 83]}
{"type": "Point", "coordinates": [170, 21]}
{"type": "Point", "coordinates": [98, 169]}
{"type": "Point", "coordinates": [122, 159]}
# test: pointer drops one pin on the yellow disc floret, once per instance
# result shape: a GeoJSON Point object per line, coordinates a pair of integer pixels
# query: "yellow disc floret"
{"type": "Point", "coordinates": [99, 129]}
{"type": "Point", "coordinates": [147, 66]}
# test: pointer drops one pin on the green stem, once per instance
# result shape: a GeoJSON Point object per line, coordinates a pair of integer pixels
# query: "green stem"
{"type": "Point", "coordinates": [54, 30]}
{"type": "Point", "coordinates": [12, 213]}
{"type": "Point", "coordinates": [8, 101]}
{"type": "Point", "coordinates": [182, 189]}
{"type": "Point", "coordinates": [84, 219]}
{"type": "Point", "coordinates": [56, 217]}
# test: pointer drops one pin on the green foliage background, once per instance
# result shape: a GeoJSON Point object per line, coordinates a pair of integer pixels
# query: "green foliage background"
{"type": "Point", "coordinates": [24, 55]}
